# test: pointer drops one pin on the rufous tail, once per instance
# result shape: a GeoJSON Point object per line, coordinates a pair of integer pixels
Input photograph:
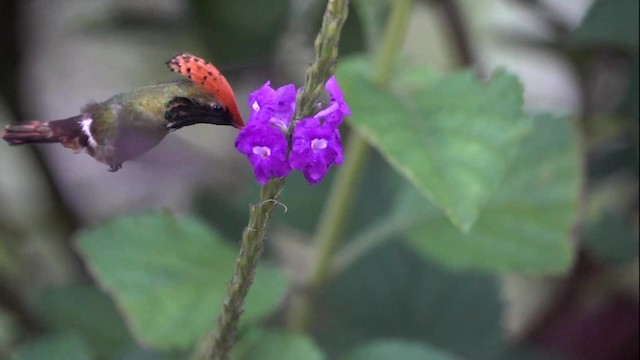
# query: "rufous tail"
{"type": "Point", "coordinates": [68, 132]}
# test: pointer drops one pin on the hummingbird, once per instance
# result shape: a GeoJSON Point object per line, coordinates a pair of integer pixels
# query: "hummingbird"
{"type": "Point", "coordinates": [129, 124]}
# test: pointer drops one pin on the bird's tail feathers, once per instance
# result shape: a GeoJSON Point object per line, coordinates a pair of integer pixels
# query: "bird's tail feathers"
{"type": "Point", "coordinates": [27, 133]}
{"type": "Point", "coordinates": [68, 132]}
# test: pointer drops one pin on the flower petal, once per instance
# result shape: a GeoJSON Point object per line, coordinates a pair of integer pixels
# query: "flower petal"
{"type": "Point", "coordinates": [266, 148]}
{"type": "Point", "coordinates": [315, 148]}
{"type": "Point", "coordinates": [336, 95]}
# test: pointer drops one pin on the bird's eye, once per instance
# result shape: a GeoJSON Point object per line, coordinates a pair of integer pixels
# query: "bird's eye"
{"type": "Point", "coordinates": [217, 108]}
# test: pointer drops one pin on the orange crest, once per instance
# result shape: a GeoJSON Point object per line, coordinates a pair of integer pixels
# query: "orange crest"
{"type": "Point", "coordinates": [204, 74]}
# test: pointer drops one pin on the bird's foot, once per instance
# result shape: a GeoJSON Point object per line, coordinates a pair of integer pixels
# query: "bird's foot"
{"type": "Point", "coordinates": [114, 167]}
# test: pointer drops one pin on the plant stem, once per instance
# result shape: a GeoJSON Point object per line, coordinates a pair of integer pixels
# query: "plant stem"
{"type": "Point", "coordinates": [336, 210]}
{"type": "Point", "coordinates": [459, 33]}
{"type": "Point", "coordinates": [326, 48]}
{"type": "Point", "coordinates": [218, 344]}
{"type": "Point", "coordinates": [393, 40]}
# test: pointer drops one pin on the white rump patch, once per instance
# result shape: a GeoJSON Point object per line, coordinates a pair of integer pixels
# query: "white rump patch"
{"type": "Point", "coordinates": [86, 129]}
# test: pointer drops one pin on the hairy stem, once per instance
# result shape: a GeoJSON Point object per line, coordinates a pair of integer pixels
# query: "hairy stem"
{"type": "Point", "coordinates": [336, 210]}
{"type": "Point", "coordinates": [218, 344]}
{"type": "Point", "coordinates": [326, 48]}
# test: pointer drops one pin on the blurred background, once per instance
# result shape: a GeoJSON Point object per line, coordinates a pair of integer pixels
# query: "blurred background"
{"type": "Point", "coordinates": [577, 58]}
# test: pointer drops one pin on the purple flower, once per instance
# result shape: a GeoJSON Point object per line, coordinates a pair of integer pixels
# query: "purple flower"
{"type": "Point", "coordinates": [315, 148]}
{"type": "Point", "coordinates": [315, 143]}
{"type": "Point", "coordinates": [284, 107]}
{"type": "Point", "coordinates": [266, 148]}
{"type": "Point", "coordinates": [273, 106]}
{"type": "Point", "coordinates": [336, 95]}
{"type": "Point", "coordinates": [336, 111]}
{"type": "Point", "coordinates": [332, 116]}
{"type": "Point", "coordinates": [262, 98]}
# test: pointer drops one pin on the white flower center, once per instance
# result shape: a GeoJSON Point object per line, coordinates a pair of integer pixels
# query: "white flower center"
{"type": "Point", "coordinates": [318, 144]}
{"type": "Point", "coordinates": [262, 151]}
{"type": "Point", "coordinates": [331, 108]}
{"type": "Point", "coordinates": [278, 123]}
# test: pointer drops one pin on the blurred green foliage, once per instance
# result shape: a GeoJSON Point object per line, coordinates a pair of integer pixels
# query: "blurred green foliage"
{"type": "Point", "coordinates": [610, 23]}
{"type": "Point", "coordinates": [276, 345]}
{"type": "Point", "coordinates": [89, 314]}
{"type": "Point", "coordinates": [242, 31]}
{"type": "Point", "coordinates": [160, 268]}
{"type": "Point", "coordinates": [460, 176]}
{"type": "Point", "coordinates": [55, 347]}
{"type": "Point", "coordinates": [525, 226]}
{"type": "Point", "coordinates": [441, 133]}
{"type": "Point", "coordinates": [398, 350]}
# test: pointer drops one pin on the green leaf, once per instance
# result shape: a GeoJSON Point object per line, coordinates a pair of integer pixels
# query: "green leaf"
{"type": "Point", "coordinates": [169, 276]}
{"type": "Point", "coordinates": [526, 226]}
{"type": "Point", "coordinates": [389, 349]}
{"type": "Point", "coordinates": [452, 136]}
{"type": "Point", "coordinates": [393, 293]}
{"type": "Point", "coordinates": [59, 347]}
{"type": "Point", "coordinates": [276, 345]}
{"type": "Point", "coordinates": [609, 22]}
{"type": "Point", "coordinates": [87, 311]}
